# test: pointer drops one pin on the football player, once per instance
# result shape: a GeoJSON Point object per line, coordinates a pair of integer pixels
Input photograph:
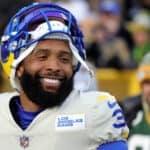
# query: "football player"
{"type": "Point", "coordinates": [41, 50]}
{"type": "Point", "coordinates": [137, 109]}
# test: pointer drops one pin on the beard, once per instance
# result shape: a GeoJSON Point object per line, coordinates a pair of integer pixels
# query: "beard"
{"type": "Point", "coordinates": [32, 87]}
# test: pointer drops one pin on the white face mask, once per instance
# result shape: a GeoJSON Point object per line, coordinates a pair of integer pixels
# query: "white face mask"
{"type": "Point", "coordinates": [45, 28]}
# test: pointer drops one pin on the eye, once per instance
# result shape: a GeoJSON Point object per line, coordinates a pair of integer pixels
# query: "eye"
{"type": "Point", "coordinates": [42, 56]}
{"type": "Point", "coordinates": [65, 59]}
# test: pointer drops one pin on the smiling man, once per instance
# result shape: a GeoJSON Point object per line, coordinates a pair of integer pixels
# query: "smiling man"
{"type": "Point", "coordinates": [46, 74]}
{"type": "Point", "coordinates": [42, 49]}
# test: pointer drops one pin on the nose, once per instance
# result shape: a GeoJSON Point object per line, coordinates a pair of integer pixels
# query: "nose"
{"type": "Point", "coordinates": [52, 63]}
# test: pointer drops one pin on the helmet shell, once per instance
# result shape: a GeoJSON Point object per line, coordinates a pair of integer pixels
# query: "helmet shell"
{"type": "Point", "coordinates": [32, 24]}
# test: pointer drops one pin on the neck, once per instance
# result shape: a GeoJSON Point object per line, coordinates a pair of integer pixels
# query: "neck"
{"type": "Point", "coordinates": [27, 104]}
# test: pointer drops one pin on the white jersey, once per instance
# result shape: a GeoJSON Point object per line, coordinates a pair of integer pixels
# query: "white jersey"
{"type": "Point", "coordinates": [139, 141]}
{"type": "Point", "coordinates": [82, 122]}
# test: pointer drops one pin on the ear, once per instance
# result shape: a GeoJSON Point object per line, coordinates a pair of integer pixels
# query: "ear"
{"type": "Point", "coordinates": [20, 70]}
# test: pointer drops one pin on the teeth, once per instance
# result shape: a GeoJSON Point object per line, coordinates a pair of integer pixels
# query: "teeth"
{"type": "Point", "coordinates": [51, 81]}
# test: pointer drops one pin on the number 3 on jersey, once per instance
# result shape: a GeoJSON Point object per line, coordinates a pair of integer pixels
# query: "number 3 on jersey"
{"type": "Point", "coordinates": [118, 115]}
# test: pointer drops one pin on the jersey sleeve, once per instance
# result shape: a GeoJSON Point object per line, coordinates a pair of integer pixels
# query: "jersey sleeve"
{"type": "Point", "coordinates": [106, 121]}
{"type": "Point", "coordinates": [117, 145]}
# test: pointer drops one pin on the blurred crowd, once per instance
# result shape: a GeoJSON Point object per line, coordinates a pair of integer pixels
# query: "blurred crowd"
{"type": "Point", "coordinates": [116, 32]}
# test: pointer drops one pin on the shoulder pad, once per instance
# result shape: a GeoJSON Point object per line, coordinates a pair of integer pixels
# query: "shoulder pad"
{"type": "Point", "coordinates": [107, 121]}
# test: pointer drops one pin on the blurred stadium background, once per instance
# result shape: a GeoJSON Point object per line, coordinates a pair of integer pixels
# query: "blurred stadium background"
{"type": "Point", "coordinates": [117, 43]}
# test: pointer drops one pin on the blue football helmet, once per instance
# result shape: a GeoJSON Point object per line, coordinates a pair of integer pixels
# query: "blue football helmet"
{"type": "Point", "coordinates": [34, 23]}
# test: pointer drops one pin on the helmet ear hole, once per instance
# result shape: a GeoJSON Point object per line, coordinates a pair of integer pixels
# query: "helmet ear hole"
{"type": "Point", "coordinates": [5, 52]}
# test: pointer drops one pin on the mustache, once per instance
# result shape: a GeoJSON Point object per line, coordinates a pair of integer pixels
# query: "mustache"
{"type": "Point", "coordinates": [51, 75]}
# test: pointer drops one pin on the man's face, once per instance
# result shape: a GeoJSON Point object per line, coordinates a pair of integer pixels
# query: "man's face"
{"type": "Point", "coordinates": [46, 74]}
{"type": "Point", "coordinates": [110, 21]}
{"type": "Point", "coordinates": [146, 90]}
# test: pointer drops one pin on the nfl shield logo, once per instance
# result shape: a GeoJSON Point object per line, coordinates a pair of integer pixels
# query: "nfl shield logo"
{"type": "Point", "coordinates": [24, 141]}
